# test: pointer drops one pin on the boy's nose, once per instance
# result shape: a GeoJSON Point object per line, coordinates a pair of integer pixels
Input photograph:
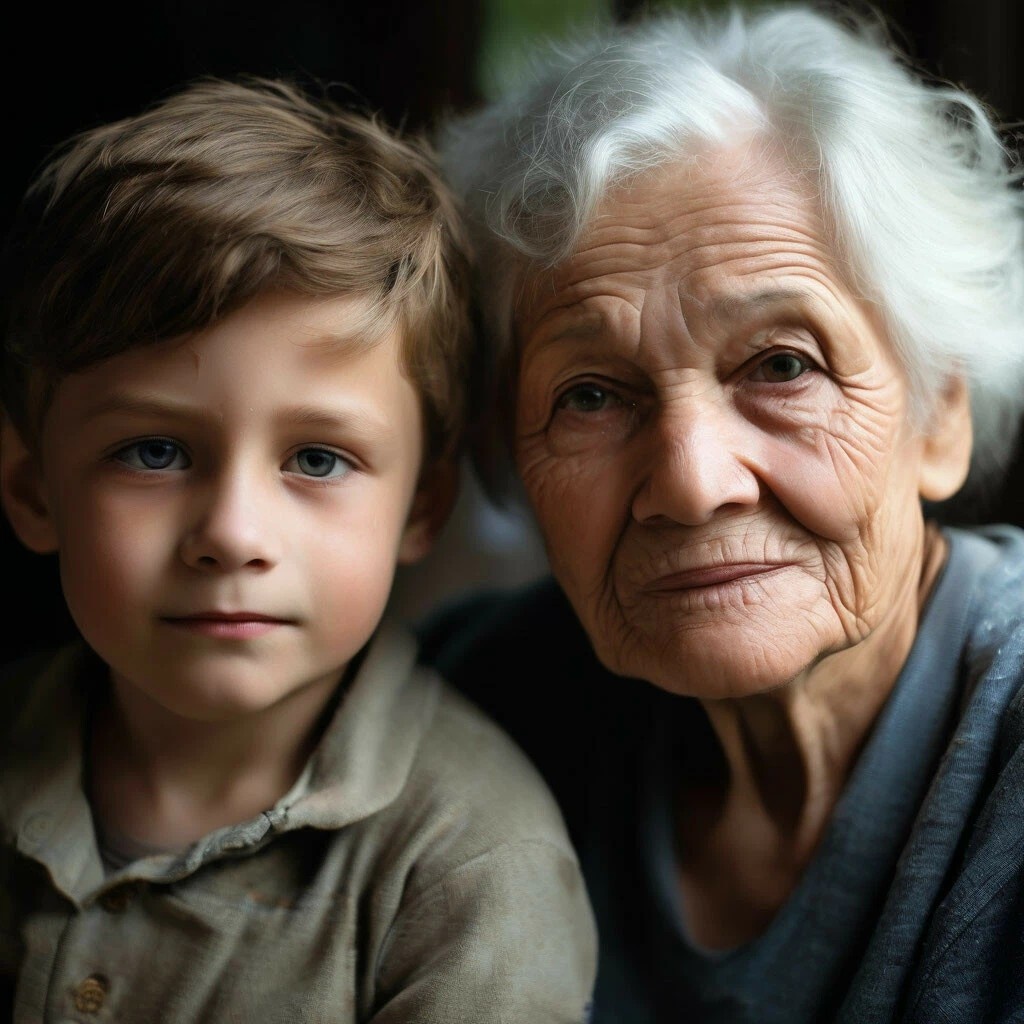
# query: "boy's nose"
{"type": "Point", "coordinates": [231, 528]}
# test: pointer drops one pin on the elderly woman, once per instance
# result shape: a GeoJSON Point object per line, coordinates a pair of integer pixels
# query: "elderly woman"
{"type": "Point", "coordinates": [751, 289]}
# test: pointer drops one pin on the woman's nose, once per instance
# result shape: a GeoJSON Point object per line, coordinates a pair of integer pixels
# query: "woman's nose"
{"type": "Point", "coordinates": [696, 466]}
{"type": "Point", "coordinates": [230, 526]}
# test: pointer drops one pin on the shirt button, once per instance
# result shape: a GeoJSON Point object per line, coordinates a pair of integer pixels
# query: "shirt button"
{"type": "Point", "coordinates": [91, 993]}
{"type": "Point", "coordinates": [37, 828]}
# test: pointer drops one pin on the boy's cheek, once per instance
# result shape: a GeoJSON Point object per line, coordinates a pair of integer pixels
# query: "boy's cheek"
{"type": "Point", "coordinates": [109, 561]}
{"type": "Point", "coordinates": [103, 588]}
{"type": "Point", "coordinates": [121, 565]}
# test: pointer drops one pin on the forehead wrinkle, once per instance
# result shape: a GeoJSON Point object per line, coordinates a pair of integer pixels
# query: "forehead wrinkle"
{"type": "Point", "coordinates": [666, 335]}
{"type": "Point", "coordinates": [588, 315]}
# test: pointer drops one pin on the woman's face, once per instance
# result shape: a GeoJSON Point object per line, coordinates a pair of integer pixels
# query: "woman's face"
{"type": "Point", "coordinates": [713, 432]}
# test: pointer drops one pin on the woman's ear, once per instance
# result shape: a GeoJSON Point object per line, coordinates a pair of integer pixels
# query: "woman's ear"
{"type": "Point", "coordinates": [431, 505]}
{"type": "Point", "coordinates": [24, 492]}
{"type": "Point", "coordinates": [946, 456]}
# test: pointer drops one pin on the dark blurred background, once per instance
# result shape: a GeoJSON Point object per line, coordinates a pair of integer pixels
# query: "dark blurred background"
{"type": "Point", "coordinates": [70, 67]}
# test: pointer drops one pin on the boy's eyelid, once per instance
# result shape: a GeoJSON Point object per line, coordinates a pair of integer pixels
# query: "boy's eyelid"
{"type": "Point", "coordinates": [345, 454]}
{"type": "Point", "coordinates": [127, 442]}
{"type": "Point", "coordinates": [347, 463]}
{"type": "Point", "coordinates": [129, 446]}
{"type": "Point", "coordinates": [113, 454]}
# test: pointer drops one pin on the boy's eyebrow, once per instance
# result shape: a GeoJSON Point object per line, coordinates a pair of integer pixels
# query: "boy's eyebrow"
{"type": "Point", "coordinates": [364, 332]}
{"type": "Point", "coordinates": [142, 405]}
{"type": "Point", "coordinates": [354, 416]}
{"type": "Point", "coordinates": [318, 416]}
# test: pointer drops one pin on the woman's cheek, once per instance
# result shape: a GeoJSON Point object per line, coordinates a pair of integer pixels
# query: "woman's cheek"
{"type": "Point", "coordinates": [823, 501]}
{"type": "Point", "coordinates": [572, 498]}
{"type": "Point", "coordinates": [552, 487]}
{"type": "Point", "coordinates": [832, 474]}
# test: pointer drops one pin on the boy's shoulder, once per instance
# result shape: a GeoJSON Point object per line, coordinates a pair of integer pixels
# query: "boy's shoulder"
{"type": "Point", "coordinates": [469, 793]}
{"type": "Point", "coordinates": [468, 765]}
{"type": "Point", "coordinates": [40, 731]}
{"type": "Point", "coordinates": [29, 689]}
{"type": "Point", "coordinates": [466, 841]}
{"type": "Point", "coordinates": [420, 768]}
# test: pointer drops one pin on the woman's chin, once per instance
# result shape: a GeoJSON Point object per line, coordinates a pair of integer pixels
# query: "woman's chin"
{"type": "Point", "coordinates": [721, 662]}
{"type": "Point", "coordinates": [757, 640]}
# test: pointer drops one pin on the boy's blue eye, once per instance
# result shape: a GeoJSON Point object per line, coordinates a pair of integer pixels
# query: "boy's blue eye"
{"type": "Point", "coordinates": [318, 462]}
{"type": "Point", "coordinates": [155, 453]}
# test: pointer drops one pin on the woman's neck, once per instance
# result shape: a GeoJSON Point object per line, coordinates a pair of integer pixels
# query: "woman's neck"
{"type": "Point", "coordinates": [745, 838]}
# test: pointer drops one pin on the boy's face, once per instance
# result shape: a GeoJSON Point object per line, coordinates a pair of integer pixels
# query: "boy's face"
{"type": "Point", "coordinates": [229, 509]}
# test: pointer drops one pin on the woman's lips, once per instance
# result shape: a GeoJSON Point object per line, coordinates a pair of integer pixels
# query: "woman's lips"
{"type": "Point", "coordinates": [712, 576]}
{"type": "Point", "coordinates": [227, 625]}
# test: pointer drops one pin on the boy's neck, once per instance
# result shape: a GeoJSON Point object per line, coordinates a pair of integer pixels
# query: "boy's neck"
{"type": "Point", "coordinates": [165, 781]}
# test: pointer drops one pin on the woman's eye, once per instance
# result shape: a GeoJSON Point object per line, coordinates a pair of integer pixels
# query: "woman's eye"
{"type": "Point", "coordinates": [318, 462]}
{"type": "Point", "coordinates": [781, 367]}
{"type": "Point", "coordinates": [587, 398]}
{"type": "Point", "coordinates": [155, 453]}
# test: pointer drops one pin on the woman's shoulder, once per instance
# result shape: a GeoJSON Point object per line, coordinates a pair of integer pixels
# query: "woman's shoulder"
{"type": "Point", "coordinates": [996, 550]}
{"type": "Point", "coordinates": [990, 564]}
{"type": "Point", "coordinates": [969, 967]}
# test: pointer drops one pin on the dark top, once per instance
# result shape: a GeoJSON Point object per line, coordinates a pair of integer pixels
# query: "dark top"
{"type": "Point", "coordinates": [912, 908]}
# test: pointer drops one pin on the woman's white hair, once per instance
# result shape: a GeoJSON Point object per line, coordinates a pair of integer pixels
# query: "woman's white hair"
{"type": "Point", "coordinates": [922, 197]}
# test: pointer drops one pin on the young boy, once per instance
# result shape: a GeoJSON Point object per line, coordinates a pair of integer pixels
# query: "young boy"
{"type": "Point", "coordinates": [232, 387]}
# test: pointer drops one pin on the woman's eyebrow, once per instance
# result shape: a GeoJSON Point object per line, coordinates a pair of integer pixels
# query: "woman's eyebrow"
{"type": "Point", "coordinates": [739, 306]}
{"type": "Point", "coordinates": [583, 331]}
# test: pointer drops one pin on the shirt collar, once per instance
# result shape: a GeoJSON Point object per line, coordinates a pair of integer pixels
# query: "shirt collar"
{"type": "Point", "coordinates": [359, 767]}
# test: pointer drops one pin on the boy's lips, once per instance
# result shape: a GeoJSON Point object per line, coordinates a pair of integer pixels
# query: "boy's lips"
{"type": "Point", "coordinates": [227, 625]}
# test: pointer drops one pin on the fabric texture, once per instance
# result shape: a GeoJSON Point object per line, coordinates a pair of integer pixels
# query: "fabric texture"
{"type": "Point", "coordinates": [417, 871]}
{"type": "Point", "coordinates": [912, 909]}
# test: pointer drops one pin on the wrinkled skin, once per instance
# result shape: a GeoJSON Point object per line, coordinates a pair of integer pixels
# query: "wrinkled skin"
{"type": "Point", "coordinates": [699, 388]}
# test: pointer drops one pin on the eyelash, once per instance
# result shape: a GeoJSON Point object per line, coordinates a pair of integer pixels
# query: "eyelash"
{"type": "Point", "coordinates": [341, 460]}
{"type": "Point", "coordinates": [579, 387]}
{"type": "Point", "coordinates": [808, 365]}
{"type": "Point", "coordinates": [133, 450]}
{"type": "Point", "coordinates": [614, 390]}
{"type": "Point", "coordinates": [122, 454]}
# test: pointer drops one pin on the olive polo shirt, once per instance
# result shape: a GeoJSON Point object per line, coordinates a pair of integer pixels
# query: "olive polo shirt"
{"type": "Point", "coordinates": [417, 871]}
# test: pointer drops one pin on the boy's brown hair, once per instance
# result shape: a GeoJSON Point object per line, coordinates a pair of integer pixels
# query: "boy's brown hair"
{"type": "Point", "coordinates": [155, 226]}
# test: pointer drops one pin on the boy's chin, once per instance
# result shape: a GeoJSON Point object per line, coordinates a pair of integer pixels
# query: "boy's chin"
{"type": "Point", "coordinates": [220, 698]}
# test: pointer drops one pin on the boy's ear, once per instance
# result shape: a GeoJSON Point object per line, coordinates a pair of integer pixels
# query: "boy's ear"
{"type": "Point", "coordinates": [946, 456]}
{"type": "Point", "coordinates": [431, 505]}
{"type": "Point", "coordinates": [24, 493]}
